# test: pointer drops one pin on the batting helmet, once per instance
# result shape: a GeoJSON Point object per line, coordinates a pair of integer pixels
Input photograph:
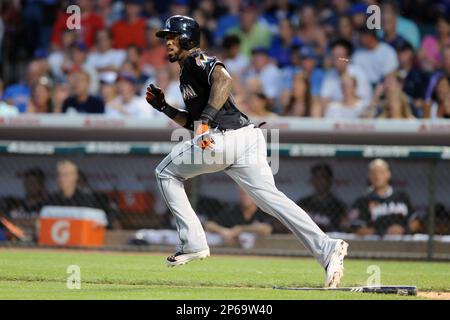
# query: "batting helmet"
{"type": "Point", "coordinates": [186, 27]}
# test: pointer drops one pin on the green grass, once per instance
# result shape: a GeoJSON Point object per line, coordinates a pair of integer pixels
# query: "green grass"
{"type": "Point", "coordinates": [38, 274]}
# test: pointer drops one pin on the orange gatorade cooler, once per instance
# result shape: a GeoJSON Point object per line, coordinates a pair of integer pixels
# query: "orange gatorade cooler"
{"type": "Point", "coordinates": [72, 226]}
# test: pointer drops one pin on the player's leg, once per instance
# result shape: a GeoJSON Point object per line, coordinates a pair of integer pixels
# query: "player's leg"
{"type": "Point", "coordinates": [257, 180]}
{"type": "Point", "coordinates": [180, 165]}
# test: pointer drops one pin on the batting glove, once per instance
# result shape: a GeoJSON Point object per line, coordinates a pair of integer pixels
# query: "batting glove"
{"type": "Point", "coordinates": [203, 137]}
{"type": "Point", "coordinates": [155, 97]}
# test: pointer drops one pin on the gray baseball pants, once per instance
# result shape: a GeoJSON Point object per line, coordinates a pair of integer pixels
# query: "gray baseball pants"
{"type": "Point", "coordinates": [241, 154]}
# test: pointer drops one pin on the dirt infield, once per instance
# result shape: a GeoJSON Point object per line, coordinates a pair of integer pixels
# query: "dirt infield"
{"type": "Point", "coordinates": [434, 295]}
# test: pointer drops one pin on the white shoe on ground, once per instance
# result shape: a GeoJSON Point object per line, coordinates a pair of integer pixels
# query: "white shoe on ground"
{"type": "Point", "coordinates": [181, 258]}
{"type": "Point", "coordinates": [335, 268]}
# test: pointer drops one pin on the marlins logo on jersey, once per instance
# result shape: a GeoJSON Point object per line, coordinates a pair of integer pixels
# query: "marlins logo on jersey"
{"type": "Point", "coordinates": [187, 91]}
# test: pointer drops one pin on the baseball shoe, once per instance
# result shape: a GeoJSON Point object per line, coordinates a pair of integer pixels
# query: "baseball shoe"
{"type": "Point", "coordinates": [181, 258]}
{"type": "Point", "coordinates": [335, 268]}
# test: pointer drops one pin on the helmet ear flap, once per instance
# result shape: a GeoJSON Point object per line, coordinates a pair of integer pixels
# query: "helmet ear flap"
{"type": "Point", "coordinates": [185, 42]}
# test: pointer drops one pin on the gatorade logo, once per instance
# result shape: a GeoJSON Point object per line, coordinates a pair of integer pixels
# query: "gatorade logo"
{"type": "Point", "coordinates": [60, 232]}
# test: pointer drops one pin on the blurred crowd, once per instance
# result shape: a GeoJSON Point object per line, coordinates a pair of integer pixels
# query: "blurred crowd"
{"type": "Point", "coordinates": [287, 57]}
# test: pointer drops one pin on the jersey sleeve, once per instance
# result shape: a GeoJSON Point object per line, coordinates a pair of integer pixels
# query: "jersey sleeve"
{"type": "Point", "coordinates": [203, 66]}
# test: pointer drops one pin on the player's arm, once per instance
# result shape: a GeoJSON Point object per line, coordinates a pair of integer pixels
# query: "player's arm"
{"type": "Point", "coordinates": [221, 84]}
{"type": "Point", "coordinates": [155, 97]}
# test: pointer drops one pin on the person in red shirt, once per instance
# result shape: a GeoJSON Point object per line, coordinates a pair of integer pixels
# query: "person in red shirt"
{"type": "Point", "coordinates": [131, 29]}
{"type": "Point", "coordinates": [90, 23]}
{"type": "Point", "coordinates": [154, 55]}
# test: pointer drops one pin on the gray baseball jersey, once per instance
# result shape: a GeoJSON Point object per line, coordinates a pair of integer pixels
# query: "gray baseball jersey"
{"type": "Point", "coordinates": [241, 153]}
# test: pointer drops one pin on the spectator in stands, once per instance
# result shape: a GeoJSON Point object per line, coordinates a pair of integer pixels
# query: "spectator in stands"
{"type": "Point", "coordinates": [35, 196]}
{"type": "Point", "coordinates": [323, 206]}
{"type": "Point", "coordinates": [440, 107]}
{"type": "Point", "coordinates": [406, 28]}
{"type": "Point", "coordinates": [41, 97]}
{"type": "Point", "coordinates": [259, 105]}
{"type": "Point", "coordinates": [331, 89]}
{"type": "Point", "coordinates": [5, 108]}
{"type": "Point", "coordinates": [60, 93]}
{"type": "Point", "coordinates": [205, 21]}
{"type": "Point", "coordinates": [80, 101]}
{"type": "Point", "coordinates": [310, 31]}
{"type": "Point", "coordinates": [72, 195]}
{"type": "Point", "coordinates": [341, 7]}
{"type": "Point", "coordinates": [108, 88]}
{"type": "Point", "coordinates": [227, 20]}
{"type": "Point", "coordinates": [297, 102]}
{"type": "Point", "coordinates": [351, 107]}
{"type": "Point", "coordinates": [250, 31]}
{"type": "Point", "coordinates": [414, 79]}
{"type": "Point", "coordinates": [131, 29]}
{"type": "Point", "coordinates": [133, 58]}
{"type": "Point", "coordinates": [18, 94]}
{"type": "Point", "coordinates": [376, 58]}
{"type": "Point", "coordinates": [59, 57]}
{"type": "Point", "coordinates": [246, 217]}
{"type": "Point", "coordinates": [40, 57]}
{"type": "Point", "coordinates": [110, 11]}
{"type": "Point", "coordinates": [105, 58]}
{"type": "Point", "coordinates": [128, 103]}
{"type": "Point", "coordinates": [345, 29]}
{"type": "Point", "coordinates": [431, 50]}
{"type": "Point", "coordinates": [235, 61]}
{"type": "Point", "coordinates": [283, 44]}
{"type": "Point", "coordinates": [180, 7]}
{"type": "Point", "coordinates": [436, 76]}
{"type": "Point", "coordinates": [389, 100]}
{"type": "Point", "coordinates": [266, 72]}
{"type": "Point", "coordinates": [420, 222]}
{"type": "Point", "coordinates": [77, 61]}
{"type": "Point", "coordinates": [90, 23]}
{"type": "Point", "coordinates": [37, 21]}
{"type": "Point", "coordinates": [389, 31]}
{"type": "Point", "coordinates": [170, 87]}
{"type": "Point", "coordinates": [277, 11]}
{"type": "Point", "coordinates": [358, 14]}
{"type": "Point", "coordinates": [315, 75]}
{"type": "Point", "coordinates": [382, 210]}
{"type": "Point", "coordinates": [154, 55]}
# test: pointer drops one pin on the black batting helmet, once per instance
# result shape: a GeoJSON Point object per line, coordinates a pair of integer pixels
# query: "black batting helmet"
{"type": "Point", "coordinates": [186, 27]}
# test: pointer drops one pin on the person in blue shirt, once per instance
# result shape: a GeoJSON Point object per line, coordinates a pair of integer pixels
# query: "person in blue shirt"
{"type": "Point", "coordinates": [18, 94]}
{"type": "Point", "coordinates": [304, 59]}
{"type": "Point", "coordinates": [283, 44]}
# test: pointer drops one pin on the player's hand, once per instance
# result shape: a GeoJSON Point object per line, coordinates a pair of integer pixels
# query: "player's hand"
{"type": "Point", "coordinates": [203, 136]}
{"type": "Point", "coordinates": [155, 97]}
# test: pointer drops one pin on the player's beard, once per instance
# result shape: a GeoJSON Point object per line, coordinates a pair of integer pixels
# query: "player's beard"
{"type": "Point", "coordinates": [173, 57]}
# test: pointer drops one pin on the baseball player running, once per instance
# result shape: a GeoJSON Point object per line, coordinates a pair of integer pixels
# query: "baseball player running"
{"type": "Point", "coordinates": [220, 127]}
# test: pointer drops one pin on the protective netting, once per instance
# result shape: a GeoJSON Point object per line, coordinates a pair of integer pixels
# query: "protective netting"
{"type": "Point", "coordinates": [357, 197]}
